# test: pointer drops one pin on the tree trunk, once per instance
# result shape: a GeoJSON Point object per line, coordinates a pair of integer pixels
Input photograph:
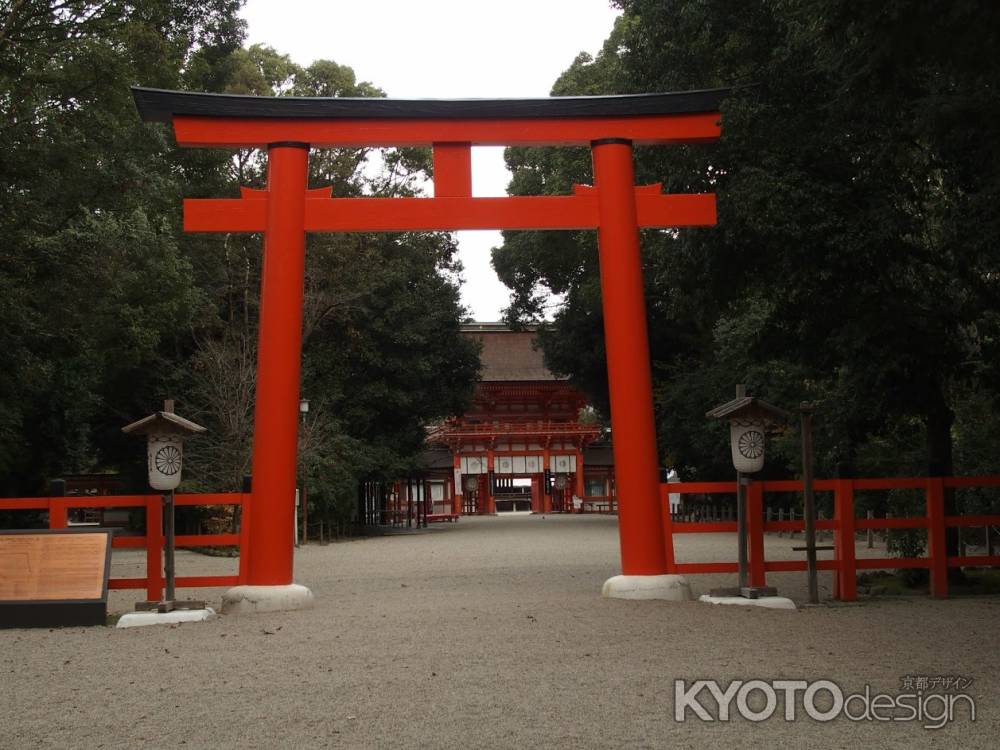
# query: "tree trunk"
{"type": "Point", "coordinates": [939, 419]}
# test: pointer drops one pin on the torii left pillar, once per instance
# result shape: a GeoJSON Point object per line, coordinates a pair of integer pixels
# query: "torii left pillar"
{"type": "Point", "coordinates": [269, 579]}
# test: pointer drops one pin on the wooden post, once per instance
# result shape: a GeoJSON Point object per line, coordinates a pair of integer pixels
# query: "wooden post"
{"type": "Point", "coordinates": [755, 533]}
{"type": "Point", "coordinates": [456, 482]}
{"type": "Point", "coordinates": [169, 568]}
{"type": "Point", "coordinates": [937, 549]}
{"type": "Point", "coordinates": [809, 502]}
{"type": "Point", "coordinates": [244, 529]}
{"type": "Point", "coordinates": [154, 548]}
{"type": "Point", "coordinates": [846, 579]}
{"type": "Point", "coordinates": [741, 531]}
{"type": "Point", "coordinates": [305, 512]}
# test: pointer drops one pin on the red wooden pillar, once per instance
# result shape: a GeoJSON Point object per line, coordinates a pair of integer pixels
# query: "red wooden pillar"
{"type": "Point", "coordinates": [279, 357]}
{"type": "Point", "coordinates": [755, 533]}
{"type": "Point", "coordinates": [490, 500]}
{"type": "Point", "coordinates": [579, 487]}
{"type": "Point", "coordinates": [456, 487]}
{"type": "Point", "coordinates": [154, 548]}
{"type": "Point", "coordinates": [244, 537]}
{"type": "Point", "coordinates": [58, 513]}
{"type": "Point", "coordinates": [546, 489]}
{"type": "Point", "coordinates": [643, 547]}
{"type": "Point", "coordinates": [846, 578]}
{"type": "Point", "coordinates": [937, 550]}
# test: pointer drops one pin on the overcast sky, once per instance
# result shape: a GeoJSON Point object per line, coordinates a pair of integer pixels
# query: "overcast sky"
{"type": "Point", "coordinates": [443, 49]}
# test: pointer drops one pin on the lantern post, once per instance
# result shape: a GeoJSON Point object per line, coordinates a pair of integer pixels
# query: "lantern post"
{"type": "Point", "coordinates": [749, 419]}
{"type": "Point", "coordinates": [165, 434]}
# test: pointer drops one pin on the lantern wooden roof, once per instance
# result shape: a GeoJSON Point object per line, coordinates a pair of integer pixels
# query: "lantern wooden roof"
{"type": "Point", "coordinates": [163, 421]}
{"type": "Point", "coordinates": [749, 407]}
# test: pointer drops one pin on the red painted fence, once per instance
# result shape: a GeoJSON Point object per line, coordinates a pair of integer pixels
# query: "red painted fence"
{"type": "Point", "coordinates": [153, 540]}
{"type": "Point", "coordinates": [844, 526]}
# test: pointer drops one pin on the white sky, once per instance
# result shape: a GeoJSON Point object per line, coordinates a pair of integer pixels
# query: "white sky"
{"type": "Point", "coordinates": [416, 49]}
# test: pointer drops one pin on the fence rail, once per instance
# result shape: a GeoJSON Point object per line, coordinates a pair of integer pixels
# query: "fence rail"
{"type": "Point", "coordinates": [844, 527]}
{"type": "Point", "coordinates": [152, 540]}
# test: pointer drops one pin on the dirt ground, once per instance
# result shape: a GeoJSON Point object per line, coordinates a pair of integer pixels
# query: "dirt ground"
{"type": "Point", "coordinates": [488, 633]}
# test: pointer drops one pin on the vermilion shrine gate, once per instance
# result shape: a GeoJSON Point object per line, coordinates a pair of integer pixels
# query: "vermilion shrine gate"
{"type": "Point", "coordinates": [615, 206]}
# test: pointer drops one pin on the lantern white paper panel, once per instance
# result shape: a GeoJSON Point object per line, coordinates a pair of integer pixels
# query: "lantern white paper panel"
{"type": "Point", "coordinates": [165, 456]}
{"type": "Point", "coordinates": [747, 443]}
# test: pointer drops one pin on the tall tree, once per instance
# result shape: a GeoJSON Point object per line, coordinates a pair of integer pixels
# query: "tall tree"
{"type": "Point", "coordinates": [95, 293]}
{"type": "Point", "coordinates": [854, 258]}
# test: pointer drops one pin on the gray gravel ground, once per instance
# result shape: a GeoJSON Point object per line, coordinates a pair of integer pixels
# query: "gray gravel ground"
{"type": "Point", "coordinates": [486, 633]}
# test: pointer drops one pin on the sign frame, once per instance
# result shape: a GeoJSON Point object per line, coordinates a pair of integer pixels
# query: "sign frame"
{"type": "Point", "coordinates": [47, 613]}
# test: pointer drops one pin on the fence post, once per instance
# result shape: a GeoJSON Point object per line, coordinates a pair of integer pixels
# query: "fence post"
{"type": "Point", "coordinates": [936, 548]}
{"type": "Point", "coordinates": [845, 581]}
{"type": "Point", "coordinates": [154, 548]}
{"type": "Point", "coordinates": [58, 513]}
{"type": "Point", "coordinates": [755, 533]}
{"type": "Point", "coordinates": [871, 531]}
{"type": "Point", "coordinates": [245, 499]}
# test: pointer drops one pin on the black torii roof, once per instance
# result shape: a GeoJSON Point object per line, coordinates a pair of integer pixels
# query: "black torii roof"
{"type": "Point", "coordinates": [161, 105]}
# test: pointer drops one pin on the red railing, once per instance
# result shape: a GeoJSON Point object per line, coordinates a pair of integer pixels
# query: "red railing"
{"type": "Point", "coordinates": [598, 504]}
{"type": "Point", "coordinates": [844, 527]}
{"type": "Point", "coordinates": [152, 541]}
{"type": "Point", "coordinates": [515, 428]}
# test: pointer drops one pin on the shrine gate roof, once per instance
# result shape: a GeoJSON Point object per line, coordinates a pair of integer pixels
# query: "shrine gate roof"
{"type": "Point", "coordinates": [508, 356]}
{"type": "Point", "coordinates": [161, 105]}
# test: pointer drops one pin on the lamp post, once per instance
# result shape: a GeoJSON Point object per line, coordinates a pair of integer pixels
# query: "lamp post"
{"type": "Point", "coordinates": [749, 419]}
{"type": "Point", "coordinates": [303, 412]}
{"type": "Point", "coordinates": [165, 434]}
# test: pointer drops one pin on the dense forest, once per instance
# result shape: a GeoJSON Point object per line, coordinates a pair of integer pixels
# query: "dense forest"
{"type": "Point", "coordinates": [108, 307]}
{"type": "Point", "coordinates": [856, 261]}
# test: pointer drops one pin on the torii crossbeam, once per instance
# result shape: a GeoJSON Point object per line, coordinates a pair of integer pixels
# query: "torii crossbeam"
{"type": "Point", "coordinates": [289, 126]}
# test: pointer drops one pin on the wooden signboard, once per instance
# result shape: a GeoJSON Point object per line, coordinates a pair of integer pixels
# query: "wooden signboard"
{"type": "Point", "coordinates": [54, 577]}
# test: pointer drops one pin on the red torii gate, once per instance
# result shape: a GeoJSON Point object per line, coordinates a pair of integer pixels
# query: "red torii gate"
{"type": "Point", "coordinates": [289, 126]}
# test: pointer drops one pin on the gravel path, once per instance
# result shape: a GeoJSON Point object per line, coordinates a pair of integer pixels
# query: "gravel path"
{"type": "Point", "coordinates": [485, 633]}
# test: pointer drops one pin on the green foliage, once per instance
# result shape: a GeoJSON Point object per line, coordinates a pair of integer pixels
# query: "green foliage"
{"type": "Point", "coordinates": [96, 290]}
{"type": "Point", "coordinates": [107, 306]}
{"type": "Point", "coordinates": [854, 260]}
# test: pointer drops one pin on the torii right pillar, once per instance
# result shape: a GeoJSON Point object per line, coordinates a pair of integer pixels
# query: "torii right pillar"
{"type": "Point", "coordinates": [646, 552]}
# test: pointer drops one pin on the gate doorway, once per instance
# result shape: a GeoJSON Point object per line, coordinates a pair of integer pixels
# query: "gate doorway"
{"type": "Point", "coordinates": [513, 495]}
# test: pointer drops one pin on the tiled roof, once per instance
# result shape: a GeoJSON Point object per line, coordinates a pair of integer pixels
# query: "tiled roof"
{"type": "Point", "coordinates": [508, 355]}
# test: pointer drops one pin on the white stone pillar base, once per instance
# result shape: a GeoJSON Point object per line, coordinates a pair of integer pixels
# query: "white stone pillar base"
{"type": "Point", "coordinates": [672, 588]}
{"type": "Point", "coordinates": [768, 602]}
{"type": "Point", "coordinates": [250, 599]}
{"type": "Point", "coordinates": [140, 619]}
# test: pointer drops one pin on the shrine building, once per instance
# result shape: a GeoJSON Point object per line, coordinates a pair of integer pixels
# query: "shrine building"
{"type": "Point", "coordinates": [521, 446]}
